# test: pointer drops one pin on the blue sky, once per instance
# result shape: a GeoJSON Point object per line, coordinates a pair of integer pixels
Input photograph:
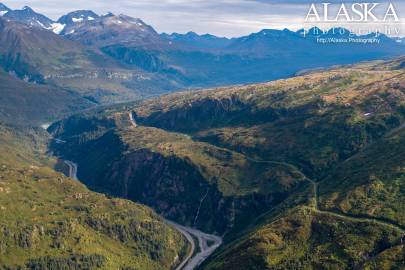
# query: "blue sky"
{"type": "Point", "coordinates": [229, 18]}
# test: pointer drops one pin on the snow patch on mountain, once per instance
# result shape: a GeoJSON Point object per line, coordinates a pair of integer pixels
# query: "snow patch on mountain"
{"type": "Point", "coordinates": [77, 20]}
{"type": "Point", "coordinates": [57, 28]}
{"type": "Point", "coordinates": [40, 24]}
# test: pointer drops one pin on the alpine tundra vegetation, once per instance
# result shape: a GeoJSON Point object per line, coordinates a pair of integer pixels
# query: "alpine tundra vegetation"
{"type": "Point", "coordinates": [302, 172]}
{"type": "Point", "coordinates": [115, 154]}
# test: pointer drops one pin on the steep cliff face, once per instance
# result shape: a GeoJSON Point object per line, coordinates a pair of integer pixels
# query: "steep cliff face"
{"type": "Point", "coordinates": [191, 182]}
{"type": "Point", "coordinates": [204, 113]}
{"type": "Point", "coordinates": [288, 170]}
{"type": "Point", "coordinates": [172, 186]}
{"type": "Point", "coordinates": [176, 188]}
{"type": "Point", "coordinates": [313, 121]}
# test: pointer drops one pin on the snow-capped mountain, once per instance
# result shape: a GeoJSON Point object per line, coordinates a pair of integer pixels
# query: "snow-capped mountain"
{"type": "Point", "coordinates": [3, 9]}
{"type": "Point", "coordinates": [70, 21]}
{"type": "Point", "coordinates": [28, 16]}
{"type": "Point", "coordinates": [78, 16]}
{"type": "Point", "coordinates": [110, 29]}
{"type": "Point", "coordinates": [88, 27]}
{"type": "Point", "coordinates": [189, 59]}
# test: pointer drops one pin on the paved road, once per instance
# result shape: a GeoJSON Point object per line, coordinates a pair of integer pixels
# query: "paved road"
{"type": "Point", "coordinates": [191, 262]}
{"type": "Point", "coordinates": [353, 218]}
{"type": "Point", "coordinates": [316, 207]}
{"type": "Point", "coordinates": [189, 239]}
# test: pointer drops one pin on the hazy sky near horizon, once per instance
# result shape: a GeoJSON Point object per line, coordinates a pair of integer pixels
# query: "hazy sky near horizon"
{"type": "Point", "coordinates": [229, 18]}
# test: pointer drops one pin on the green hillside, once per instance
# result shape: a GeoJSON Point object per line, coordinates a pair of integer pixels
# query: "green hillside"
{"type": "Point", "coordinates": [302, 173]}
{"type": "Point", "coordinates": [306, 239]}
{"type": "Point", "coordinates": [370, 183]}
{"type": "Point", "coordinates": [143, 164]}
{"type": "Point", "coordinates": [32, 104]}
{"type": "Point", "coordinates": [48, 221]}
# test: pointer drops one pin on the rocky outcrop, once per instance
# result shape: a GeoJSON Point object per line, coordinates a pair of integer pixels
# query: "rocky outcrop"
{"type": "Point", "coordinates": [173, 186]}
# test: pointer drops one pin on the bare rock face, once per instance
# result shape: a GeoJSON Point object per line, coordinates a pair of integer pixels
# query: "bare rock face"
{"type": "Point", "coordinates": [173, 185]}
{"type": "Point", "coordinates": [29, 17]}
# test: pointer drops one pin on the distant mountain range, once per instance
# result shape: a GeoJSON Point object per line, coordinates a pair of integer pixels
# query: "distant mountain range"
{"type": "Point", "coordinates": [113, 58]}
{"type": "Point", "coordinates": [306, 172]}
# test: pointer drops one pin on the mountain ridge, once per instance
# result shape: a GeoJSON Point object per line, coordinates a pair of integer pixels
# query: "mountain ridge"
{"type": "Point", "coordinates": [293, 136]}
{"type": "Point", "coordinates": [134, 61]}
{"type": "Point", "coordinates": [306, 171]}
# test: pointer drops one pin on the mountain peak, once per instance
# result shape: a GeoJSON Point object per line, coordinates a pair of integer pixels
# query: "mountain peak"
{"type": "Point", "coordinates": [123, 21]}
{"type": "Point", "coordinates": [192, 34]}
{"type": "Point", "coordinates": [3, 9]}
{"type": "Point", "coordinates": [132, 20]}
{"type": "Point", "coordinates": [78, 16]}
{"type": "Point", "coordinates": [108, 14]}
{"type": "Point", "coordinates": [28, 16]}
{"type": "Point", "coordinates": [27, 8]}
{"type": "Point", "coordinates": [109, 29]}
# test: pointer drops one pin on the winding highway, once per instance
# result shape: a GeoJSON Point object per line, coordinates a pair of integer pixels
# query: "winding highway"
{"type": "Point", "coordinates": [192, 259]}
{"type": "Point", "coordinates": [191, 262]}
{"type": "Point", "coordinates": [189, 239]}
{"type": "Point", "coordinates": [194, 237]}
{"type": "Point", "coordinates": [205, 249]}
{"type": "Point", "coordinates": [316, 207]}
{"type": "Point", "coordinates": [208, 243]}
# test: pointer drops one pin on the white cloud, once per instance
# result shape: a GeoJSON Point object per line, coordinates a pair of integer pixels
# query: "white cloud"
{"type": "Point", "coordinates": [220, 17]}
